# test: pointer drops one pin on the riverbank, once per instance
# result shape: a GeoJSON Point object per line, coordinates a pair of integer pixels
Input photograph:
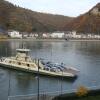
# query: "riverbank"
{"type": "Point", "coordinates": [91, 95]}
{"type": "Point", "coordinates": [84, 40]}
{"type": "Point", "coordinates": [49, 40]}
{"type": "Point", "coordinates": [97, 97]}
{"type": "Point", "coordinates": [3, 38]}
{"type": "Point", "coordinates": [30, 39]}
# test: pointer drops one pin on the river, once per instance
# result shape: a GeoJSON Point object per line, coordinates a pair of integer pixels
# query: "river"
{"type": "Point", "coordinates": [84, 56]}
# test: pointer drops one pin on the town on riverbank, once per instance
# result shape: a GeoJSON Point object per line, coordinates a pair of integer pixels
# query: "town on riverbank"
{"type": "Point", "coordinates": [57, 35]}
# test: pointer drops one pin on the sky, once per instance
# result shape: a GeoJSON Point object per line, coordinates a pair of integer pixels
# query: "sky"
{"type": "Point", "coordinates": [70, 8]}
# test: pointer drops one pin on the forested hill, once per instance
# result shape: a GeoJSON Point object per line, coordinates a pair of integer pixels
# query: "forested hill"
{"type": "Point", "coordinates": [86, 23]}
{"type": "Point", "coordinates": [17, 18]}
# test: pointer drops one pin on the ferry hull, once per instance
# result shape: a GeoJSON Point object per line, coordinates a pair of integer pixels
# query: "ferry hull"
{"type": "Point", "coordinates": [41, 72]}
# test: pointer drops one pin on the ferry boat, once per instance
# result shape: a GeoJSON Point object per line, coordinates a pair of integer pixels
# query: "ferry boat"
{"type": "Point", "coordinates": [22, 61]}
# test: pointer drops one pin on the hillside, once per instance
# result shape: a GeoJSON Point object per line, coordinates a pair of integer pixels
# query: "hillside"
{"type": "Point", "coordinates": [14, 17]}
{"type": "Point", "coordinates": [86, 23]}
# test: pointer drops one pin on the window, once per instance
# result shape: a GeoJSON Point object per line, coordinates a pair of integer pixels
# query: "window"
{"type": "Point", "coordinates": [28, 65]}
{"type": "Point", "coordinates": [19, 63]}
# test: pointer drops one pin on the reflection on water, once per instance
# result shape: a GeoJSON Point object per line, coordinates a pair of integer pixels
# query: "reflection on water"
{"type": "Point", "coordinates": [83, 55]}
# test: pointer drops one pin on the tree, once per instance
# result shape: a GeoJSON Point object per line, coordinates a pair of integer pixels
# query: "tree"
{"type": "Point", "coordinates": [82, 91]}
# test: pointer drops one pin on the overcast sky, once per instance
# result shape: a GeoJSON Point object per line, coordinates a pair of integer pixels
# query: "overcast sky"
{"type": "Point", "coordinates": [64, 7]}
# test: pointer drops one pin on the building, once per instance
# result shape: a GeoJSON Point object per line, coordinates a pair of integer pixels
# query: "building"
{"type": "Point", "coordinates": [57, 35]}
{"type": "Point", "coordinates": [46, 35]}
{"type": "Point", "coordinates": [24, 34]}
{"type": "Point", "coordinates": [14, 34]}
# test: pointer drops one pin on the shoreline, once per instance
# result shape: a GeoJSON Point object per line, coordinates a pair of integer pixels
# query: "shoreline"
{"type": "Point", "coordinates": [73, 96]}
{"type": "Point", "coordinates": [86, 40]}
{"type": "Point", "coordinates": [51, 40]}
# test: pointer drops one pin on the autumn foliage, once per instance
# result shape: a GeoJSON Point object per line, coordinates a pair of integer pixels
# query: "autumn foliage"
{"type": "Point", "coordinates": [82, 91]}
{"type": "Point", "coordinates": [17, 18]}
{"type": "Point", "coordinates": [86, 23]}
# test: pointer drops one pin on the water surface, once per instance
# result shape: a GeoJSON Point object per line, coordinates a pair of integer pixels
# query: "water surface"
{"type": "Point", "coordinates": [82, 55]}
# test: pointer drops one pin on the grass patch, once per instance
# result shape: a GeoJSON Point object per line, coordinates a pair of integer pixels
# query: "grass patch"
{"type": "Point", "coordinates": [88, 98]}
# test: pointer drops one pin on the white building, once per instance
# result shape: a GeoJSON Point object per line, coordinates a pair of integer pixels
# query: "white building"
{"type": "Point", "coordinates": [14, 34]}
{"type": "Point", "coordinates": [36, 35]}
{"type": "Point", "coordinates": [24, 34]}
{"type": "Point", "coordinates": [32, 35]}
{"type": "Point", "coordinates": [57, 35]}
{"type": "Point", "coordinates": [46, 35]}
{"type": "Point", "coordinates": [75, 35]}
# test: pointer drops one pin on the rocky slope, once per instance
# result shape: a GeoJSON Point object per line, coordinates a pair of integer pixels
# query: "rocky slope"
{"type": "Point", "coordinates": [86, 23]}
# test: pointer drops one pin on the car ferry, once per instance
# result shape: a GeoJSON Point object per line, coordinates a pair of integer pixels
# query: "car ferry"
{"type": "Point", "coordinates": [22, 61]}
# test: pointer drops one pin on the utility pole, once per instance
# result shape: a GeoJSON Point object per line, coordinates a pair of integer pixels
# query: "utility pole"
{"type": "Point", "coordinates": [38, 81]}
{"type": "Point", "coordinates": [61, 83]}
{"type": "Point", "coordinates": [9, 78]}
{"type": "Point", "coordinates": [9, 84]}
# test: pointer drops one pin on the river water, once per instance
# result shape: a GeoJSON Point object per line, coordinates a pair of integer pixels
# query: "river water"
{"type": "Point", "coordinates": [84, 56]}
